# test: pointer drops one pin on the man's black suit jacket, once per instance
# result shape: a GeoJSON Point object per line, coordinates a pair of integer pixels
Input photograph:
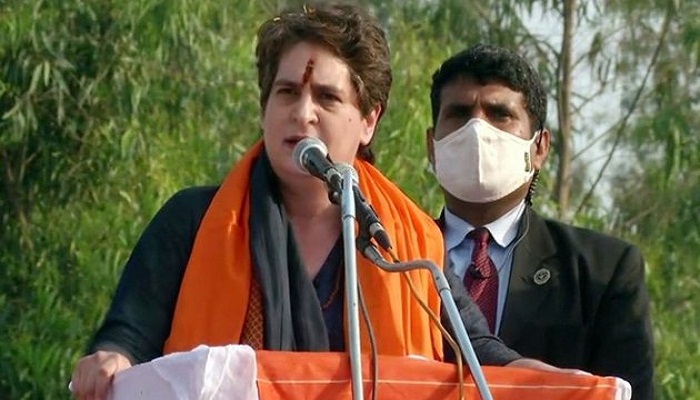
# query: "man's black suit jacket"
{"type": "Point", "coordinates": [578, 299]}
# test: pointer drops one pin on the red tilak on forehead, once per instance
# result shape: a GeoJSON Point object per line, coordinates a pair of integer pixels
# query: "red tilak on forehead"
{"type": "Point", "coordinates": [308, 71]}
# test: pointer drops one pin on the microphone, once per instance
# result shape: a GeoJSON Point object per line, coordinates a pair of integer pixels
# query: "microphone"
{"type": "Point", "coordinates": [474, 272]}
{"type": "Point", "coordinates": [366, 216]}
{"type": "Point", "coordinates": [311, 156]}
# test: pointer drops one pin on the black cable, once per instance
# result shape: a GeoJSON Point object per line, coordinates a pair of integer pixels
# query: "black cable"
{"type": "Point", "coordinates": [374, 358]}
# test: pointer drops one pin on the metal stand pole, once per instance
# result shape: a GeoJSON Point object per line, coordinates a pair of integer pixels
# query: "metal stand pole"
{"type": "Point", "coordinates": [348, 217]}
{"type": "Point", "coordinates": [445, 292]}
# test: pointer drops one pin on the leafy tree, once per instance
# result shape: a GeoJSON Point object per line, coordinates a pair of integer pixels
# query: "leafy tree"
{"type": "Point", "coordinates": [656, 190]}
{"type": "Point", "coordinates": [107, 108]}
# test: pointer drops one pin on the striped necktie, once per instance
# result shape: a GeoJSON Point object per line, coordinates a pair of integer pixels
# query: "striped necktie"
{"type": "Point", "coordinates": [481, 279]}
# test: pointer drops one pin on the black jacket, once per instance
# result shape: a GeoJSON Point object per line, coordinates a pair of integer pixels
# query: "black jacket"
{"type": "Point", "coordinates": [578, 299]}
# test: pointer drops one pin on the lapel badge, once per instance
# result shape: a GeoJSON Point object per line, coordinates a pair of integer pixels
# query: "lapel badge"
{"type": "Point", "coordinates": [542, 276]}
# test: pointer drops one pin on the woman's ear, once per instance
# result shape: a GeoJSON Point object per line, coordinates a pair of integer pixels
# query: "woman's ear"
{"type": "Point", "coordinates": [371, 121]}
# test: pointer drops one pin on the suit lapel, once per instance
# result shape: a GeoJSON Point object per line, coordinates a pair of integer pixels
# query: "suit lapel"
{"type": "Point", "coordinates": [534, 276]}
{"type": "Point", "coordinates": [528, 297]}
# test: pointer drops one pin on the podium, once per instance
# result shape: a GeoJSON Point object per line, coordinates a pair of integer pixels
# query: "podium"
{"type": "Point", "coordinates": [239, 372]}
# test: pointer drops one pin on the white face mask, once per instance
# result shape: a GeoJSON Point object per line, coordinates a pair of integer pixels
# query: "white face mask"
{"type": "Point", "coordinates": [480, 163]}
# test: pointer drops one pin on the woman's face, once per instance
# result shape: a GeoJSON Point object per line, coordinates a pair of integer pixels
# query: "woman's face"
{"type": "Point", "coordinates": [312, 96]}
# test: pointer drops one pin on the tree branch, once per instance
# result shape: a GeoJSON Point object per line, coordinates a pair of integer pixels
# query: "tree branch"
{"type": "Point", "coordinates": [621, 128]}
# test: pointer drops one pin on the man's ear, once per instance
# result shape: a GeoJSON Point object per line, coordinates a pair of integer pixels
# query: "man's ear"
{"type": "Point", "coordinates": [429, 135]}
{"type": "Point", "coordinates": [541, 148]}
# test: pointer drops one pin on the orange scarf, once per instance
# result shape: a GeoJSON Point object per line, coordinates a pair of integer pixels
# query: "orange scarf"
{"type": "Point", "coordinates": [211, 307]}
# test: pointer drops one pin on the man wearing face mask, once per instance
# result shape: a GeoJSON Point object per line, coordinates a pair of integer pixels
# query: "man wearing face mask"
{"type": "Point", "coordinates": [568, 296]}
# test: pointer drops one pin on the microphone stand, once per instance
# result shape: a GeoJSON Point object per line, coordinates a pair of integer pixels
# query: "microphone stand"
{"type": "Point", "coordinates": [445, 292]}
{"type": "Point", "coordinates": [351, 294]}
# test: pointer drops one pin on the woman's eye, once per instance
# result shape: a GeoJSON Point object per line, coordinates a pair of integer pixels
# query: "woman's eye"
{"type": "Point", "coordinates": [329, 97]}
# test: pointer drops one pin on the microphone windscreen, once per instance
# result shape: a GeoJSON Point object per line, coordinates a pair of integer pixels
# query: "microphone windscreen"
{"type": "Point", "coordinates": [302, 149]}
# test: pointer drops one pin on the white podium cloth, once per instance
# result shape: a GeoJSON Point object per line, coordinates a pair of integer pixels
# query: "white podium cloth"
{"type": "Point", "coordinates": [212, 373]}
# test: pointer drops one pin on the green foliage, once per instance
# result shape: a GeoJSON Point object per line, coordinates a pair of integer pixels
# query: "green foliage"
{"type": "Point", "coordinates": [657, 193]}
{"type": "Point", "coordinates": [107, 108]}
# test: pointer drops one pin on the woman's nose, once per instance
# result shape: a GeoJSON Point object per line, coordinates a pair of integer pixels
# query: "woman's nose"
{"type": "Point", "coordinates": [305, 110]}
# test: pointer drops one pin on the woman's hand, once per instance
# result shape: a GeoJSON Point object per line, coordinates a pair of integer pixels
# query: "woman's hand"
{"type": "Point", "coordinates": [93, 375]}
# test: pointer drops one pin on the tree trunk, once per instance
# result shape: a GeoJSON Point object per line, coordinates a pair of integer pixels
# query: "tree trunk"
{"type": "Point", "coordinates": [563, 179]}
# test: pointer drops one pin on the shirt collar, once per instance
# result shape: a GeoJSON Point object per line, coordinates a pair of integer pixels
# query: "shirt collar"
{"type": "Point", "coordinates": [503, 230]}
{"type": "Point", "coordinates": [455, 229]}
